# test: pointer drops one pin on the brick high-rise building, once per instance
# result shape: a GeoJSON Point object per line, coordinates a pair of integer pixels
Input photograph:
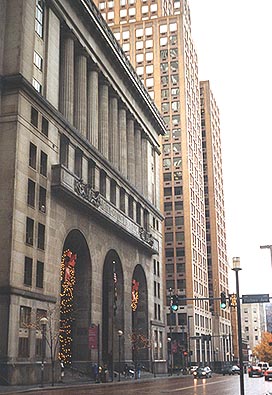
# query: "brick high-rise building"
{"type": "Point", "coordinates": [156, 37]}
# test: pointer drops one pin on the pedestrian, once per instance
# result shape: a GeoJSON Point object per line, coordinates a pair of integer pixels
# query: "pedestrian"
{"type": "Point", "coordinates": [61, 371]}
{"type": "Point", "coordinates": [126, 372]}
{"type": "Point", "coordinates": [138, 371]}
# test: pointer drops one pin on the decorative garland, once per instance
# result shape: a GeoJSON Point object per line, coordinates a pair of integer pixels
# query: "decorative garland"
{"type": "Point", "coordinates": [134, 295]}
{"type": "Point", "coordinates": [68, 280]}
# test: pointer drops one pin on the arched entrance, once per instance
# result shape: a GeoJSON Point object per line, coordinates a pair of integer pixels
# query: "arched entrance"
{"type": "Point", "coordinates": [113, 310]}
{"type": "Point", "coordinates": [76, 297]}
{"type": "Point", "coordinates": [140, 338]}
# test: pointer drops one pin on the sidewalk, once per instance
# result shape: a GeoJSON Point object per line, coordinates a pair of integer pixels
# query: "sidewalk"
{"type": "Point", "coordinates": [36, 389]}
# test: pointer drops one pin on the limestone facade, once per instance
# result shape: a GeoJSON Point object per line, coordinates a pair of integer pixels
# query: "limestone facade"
{"type": "Point", "coordinates": [79, 170]}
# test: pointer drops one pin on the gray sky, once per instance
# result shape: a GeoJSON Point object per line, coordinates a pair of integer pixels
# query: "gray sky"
{"type": "Point", "coordinates": [233, 39]}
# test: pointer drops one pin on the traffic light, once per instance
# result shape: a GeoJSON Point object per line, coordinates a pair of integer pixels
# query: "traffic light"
{"type": "Point", "coordinates": [223, 300]}
{"type": "Point", "coordinates": [233, 300]}
{"type": "Point", "coordinates": [174, 303]}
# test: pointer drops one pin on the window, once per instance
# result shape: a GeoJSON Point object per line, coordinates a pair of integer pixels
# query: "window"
{"type": "Point", "coordinates": [122, 200]}
{"type": "Point", "coordinates": [139, 57]}
{"type": "Point", "coordinates": [149, 56]}
{"type": "Point", "coordinates": [23, 348]}
{"type": "Point", "coordinates": [78, 162]}
{"type": "Point", "coordinates": [176, 147]}
{"type": "Point", "coordinates": [149, 43]}
{"type": "Point", "coordinates": [167, 191]}
{"type": "Point", "coordinates": [169, 253]}
{"type": "Point", "coordinates": [32, 156]}
{"type": "Point", "coordinates": [174, 91]}
{"type": "Point", "coordinates": [178, 205]}
{"type": "Point", "coordinates": [37, 85]}
{"type": "Point", "coordinates": [149, 69]}
{"type": "Point", "coordinates": [165, 107]}
{"type": "Point", "coordinates": [176, 133]}
{"type": "Point", "coordinates": [164, 53]}
{"type": "Point", "coordinates": [175, 105]}
{"type": "Point", "coordinates": [173, 52]}
{"type": "Point", "coordinates": [91, 173]}
{"type": "Point", "coordinates": [29, 231]}
{"type": "Point", "coordinates": [167, 177]}
{"type": "Point", "coordinates": [179, 221]}
{"type": "Point", "coordinates": [28, 271]}
{"type": "Point", "coordinates": [168, 221]}
{"type": "Point", "coordinates": [164, 93]}
{"type": "Point", "coordinates": [25, 316]}
{"type": "Point", "coordinates": [138, 214]}
{"type": "Point", "coordinates": [130, 207]}
{"type": "Point", "coordinates": [43, 164]}
{"type": "Point", "coordinates": [144, 9]}
{"type": "Point", "coordinates": [123, 13]}
{"type": "Point", "coordinates": [175, 120]}
{"type": "Point", "coordinates": [180, 252]}
{"type": "Point", "coordinates": [42, 199]}
{"type": "Point", "coordinates": [177, 175]}
{"type": "Point", "coordinates": [39, 18]}
{"type": "Point", "coordinates": [174, 79]}
{"type": "Point", "coordinates": [45, 125]}
{"type": "Point", "coordinates": [168, 237]}
{"type": "Point", "coordinates": [149, 82]}
{"type": "Point", "coordinates": [173, 39]}
{"type": "Point", "coordinates": [168, 206]}
{"type": "Point", "coordinates": [102, 183]}
{"type": "Point", "coordinates": [178, 191]}
{"type": "Point", "coordinates": [140, 70]}
{"type": "Point", "coordinates": [37, 60]}
{"type": "Point", "coordinates": [167, 162]}
{"type": "Point", "coordinates": [177, 162]}
{"type": "Point", "coordinates": [113, 192]}
{"type": "Point", "coordinates": [164, 79]}
{"type": "Point", "coordinates": [164, 67]}
{"type": "Point", "coordinates": [139, 32]}
{"type": "Point", "coordinates": [163, 41]}
{"type": "Point", "coordinates": [126, 47]}
{"type": "Point", "coordinates": [179, 236]}
{"type": "Point", "coordinates": [139, 45]}
{"type": "Point", "coordinates": [39, 274]}
{"type": "Point", "coordinates": [41, 236]}
{"type": "Point", "coordinates": [181, 268]}
{"type": "Point", "coordinates": [34, 117]}
{"type": "Point", "coordinates": [173, 27]}
{"type": "Point", "coordinates": [163, 29]}
{"type": "Point", "coordinates": [64, 150]}
{"type": "Point", "coordinates": [31, 193]}
{"type": "Point", "coordinates": [131, 11]}
{"type": "Point", "coordinates": [125, 35]}
{"type": "Point", "coordinates": [153, 7]}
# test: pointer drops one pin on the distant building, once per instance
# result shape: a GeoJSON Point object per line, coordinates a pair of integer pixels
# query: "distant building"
{"type": "Point", "coordinates": [158, 41]}
{"type": "Point", "coordinates": [268, 314]}
{"type": "Point", "coordinates": [253, 322]}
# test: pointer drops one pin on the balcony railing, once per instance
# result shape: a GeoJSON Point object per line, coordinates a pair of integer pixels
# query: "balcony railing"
{"type": "Point", "coordinates": [67, 182]}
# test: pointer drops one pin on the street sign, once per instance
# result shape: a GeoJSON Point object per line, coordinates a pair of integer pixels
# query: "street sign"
{"type": "Point", "coordinates": [258, 298]}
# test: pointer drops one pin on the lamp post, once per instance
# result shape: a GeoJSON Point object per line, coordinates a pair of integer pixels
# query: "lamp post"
{"type": "Point", "coordinates": [236, 267]}
{"type": "Point", "coordinates": [120, 334]}
{"type": "Point", "coordinates": [189, 339]}
{"type": "Point", "coordinates": [43, 322]}
{"type": "Point", "coordinates": [169, 339]}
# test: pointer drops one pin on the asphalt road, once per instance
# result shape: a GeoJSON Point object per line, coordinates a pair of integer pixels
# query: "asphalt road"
{"type": "Point", "coordinates": [217, 385]}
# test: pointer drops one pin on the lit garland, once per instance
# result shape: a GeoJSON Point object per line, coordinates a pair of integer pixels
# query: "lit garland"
{"type": "Point", "coordinates": [134, 295]}
{"type": "Point", "coordinates": [68, 280]}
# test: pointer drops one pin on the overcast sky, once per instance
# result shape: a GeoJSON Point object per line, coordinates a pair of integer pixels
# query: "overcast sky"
{"type": "Point", "coordinates": [233, 39]}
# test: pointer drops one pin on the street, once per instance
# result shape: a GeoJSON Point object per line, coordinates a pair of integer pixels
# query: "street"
{"type": "Point", "coordinates": [223, 385]}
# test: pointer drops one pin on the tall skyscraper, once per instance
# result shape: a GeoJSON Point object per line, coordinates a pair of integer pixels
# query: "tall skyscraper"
{"type": "Point", "coordinates": [156, 37]}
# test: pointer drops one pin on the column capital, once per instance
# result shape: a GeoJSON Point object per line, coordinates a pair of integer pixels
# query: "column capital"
{"type": "Point", "coordinates": [81, 51]}
{"type": "Point", "coordinates": [103, 80]}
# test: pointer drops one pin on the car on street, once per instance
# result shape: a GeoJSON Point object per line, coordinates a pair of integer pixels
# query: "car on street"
{"type": "Point", "coordinates": [202, 373]}
{"type": "Point", "coordinates": [230, 370]}
{"type": "Point", "coordinates": [268, 374]}
{"type": "Point", "coordinates": [254, 371]}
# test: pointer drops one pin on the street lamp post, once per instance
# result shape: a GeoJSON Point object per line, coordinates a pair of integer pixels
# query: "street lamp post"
{"type": "Point", "coordinates": [43, 322]}
{"type": "Point", "coordinates": [120, 334]}
{"type": "Point", "coordinates": [189, 339]}
{"type": "Point", "coordinates": [236, 267]}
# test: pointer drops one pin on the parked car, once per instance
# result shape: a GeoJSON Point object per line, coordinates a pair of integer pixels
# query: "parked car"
{"type": "Point", "coordinates": [268, 374]}
{"type": "Point", "coordinates": [192, 369]}
{"type": "Point", "coordinates": [235, 369]}
{"type": "Point", "coordinates": [263, 365]}
{"type": "Point", "coordinates": [202, 373]}
{"type": "Point", "coordinates": [255, 371]}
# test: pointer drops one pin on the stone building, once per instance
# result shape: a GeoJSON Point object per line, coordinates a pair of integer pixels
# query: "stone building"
{"type": "Point", "coordinates": [79, 179]}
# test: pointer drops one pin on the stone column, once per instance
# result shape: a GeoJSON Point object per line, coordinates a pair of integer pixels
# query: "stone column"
{"type": "Point", "coordinates": [92, 133]}
{"type": "Point", "coordinates": [113, 131]}
{"type": "Point", "coordinates": [144, 166]}
{"type": "Point", "coordinates": [103, 118]}
{"type": "Point", "coordinates": [67, 76]}
{"type": "Point", "coordinates": [131, 150]}
{"type": "Point", "coordinates": [138, 159]}
{"type": "Point", "coordinates": [80, 114]}
{"type": "Point", "coordinates": [123, 139]}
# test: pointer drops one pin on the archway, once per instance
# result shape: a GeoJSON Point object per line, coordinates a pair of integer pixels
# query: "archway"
{"type": "Point", "coordinates": [112, 310]}
{"type": "Point", "coordinates": [77, 311]}
{"type": "Point", "coordinates": [140, 337]}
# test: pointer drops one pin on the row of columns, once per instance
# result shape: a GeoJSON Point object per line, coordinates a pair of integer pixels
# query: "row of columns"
{"type": "Point", "coordinates": [89, 103]}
